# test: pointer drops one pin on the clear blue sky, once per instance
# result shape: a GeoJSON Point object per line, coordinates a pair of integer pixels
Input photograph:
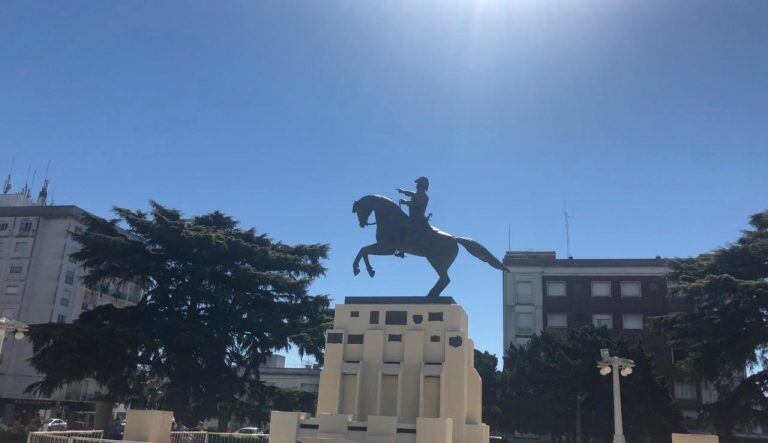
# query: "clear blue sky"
{"type": "Point", "coordinates": [649, 117]}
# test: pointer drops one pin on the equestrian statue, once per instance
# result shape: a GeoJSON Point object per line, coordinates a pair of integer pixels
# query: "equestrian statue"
{"type": "Point", "coordinates": [399, 234]}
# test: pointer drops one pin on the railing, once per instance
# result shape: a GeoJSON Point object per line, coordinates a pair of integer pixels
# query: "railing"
{"type": "Point", "coordinates": [189, 437]}
{"type": "Point", "coordinates": [216, 437]}
{"type": "Point", "coordinates": [231, 437]}
{"type": "Point", "coordinates": [71, 437]}
{"type": "Point", "coordinates": [99, 440]}
{"type": "Point", "coordinates": [60, 436]}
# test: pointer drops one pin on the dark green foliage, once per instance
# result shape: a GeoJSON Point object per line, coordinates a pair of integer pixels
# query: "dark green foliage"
{"type": "Point", "coordinates": [540, 383]}
{"type": "Point", "coordinates": [219, 300]}
{"type": "Point", "coordinates": [292, 400]}
{"type": "Point", "coordinates": [485, 365]}
{"type": "Point", "coordinates": [728, 331]}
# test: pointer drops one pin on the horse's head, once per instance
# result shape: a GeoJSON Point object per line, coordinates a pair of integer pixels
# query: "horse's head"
{"type": "Point", "coordinates": [363, 211]}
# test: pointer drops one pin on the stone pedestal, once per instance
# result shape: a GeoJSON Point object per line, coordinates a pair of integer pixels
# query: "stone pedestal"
{"type": "Point", "coordinates": [397, 370]}
{"type": "Point", "coordinates": [149, 426]}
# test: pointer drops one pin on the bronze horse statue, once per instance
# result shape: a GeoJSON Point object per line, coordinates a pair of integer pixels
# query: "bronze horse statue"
{"type": "Point", "coordinates": [439, 248]}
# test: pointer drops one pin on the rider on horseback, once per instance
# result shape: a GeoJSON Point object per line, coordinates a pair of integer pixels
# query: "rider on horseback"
{"type": "Point", "coordinates": [417, 208]}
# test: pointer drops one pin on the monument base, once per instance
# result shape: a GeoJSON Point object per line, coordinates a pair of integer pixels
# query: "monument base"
{"type": "Point", "coordinates": [397, 370]}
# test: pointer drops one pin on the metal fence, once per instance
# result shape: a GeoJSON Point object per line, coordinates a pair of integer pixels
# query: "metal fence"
{"type": "Point", "coordinates": [217, 437]}
{"type": "Point", "coordinates": [61, 436]}
{"type": "Point", "coordinates": [229, 437]}
{"type": "Point", "coordinates": [189, 437]}
{"type": "Point", "coordinates": [71, 437]}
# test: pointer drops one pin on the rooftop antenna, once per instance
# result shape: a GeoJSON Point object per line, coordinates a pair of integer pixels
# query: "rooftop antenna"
{"type": "Point", "coordinates": [7, 183]}
{"type": "Point", "coordinates": [25, 189]}
{"type": "Point", "coordinates": [509, 237]}
{"type": "Point", "coordinates": [43, 195]}
{"type": "Point", "coordinates": [567, 218]}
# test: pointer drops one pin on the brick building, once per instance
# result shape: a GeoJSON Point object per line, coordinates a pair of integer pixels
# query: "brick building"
{"type": "Point", "coordinates": [544, 292]}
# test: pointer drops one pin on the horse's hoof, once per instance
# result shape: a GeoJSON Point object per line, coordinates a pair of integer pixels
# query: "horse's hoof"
{"type": "Point", "coordinates": [355, 271]}
{"type": "Point", "coordinates": [371, 272]}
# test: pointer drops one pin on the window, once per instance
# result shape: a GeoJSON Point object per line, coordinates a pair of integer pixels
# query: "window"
{"type": "Point", "coordinates": [525, 323]}
{"type": "Point", "coordinates": [685, 391]}
{"type": "Point", "coordinates": [354, 314]}
{"type": "Point", "coordinates": [708, 392]}
{"type": "Point", "coordinates": [601, 289]}
{"type": "Point", "coordinates": [632, 321]}
{"type": "Point", "coordinates": [61, 318]}
{"type": "Point", "coordinates": [524, 291]}
{"type": "Point", "coordinates": [69, 278]}
{"type": "Point", "coordinates": [557, 320]}
{"type": "Point", "coordinates": [395, 337]}
{"type": "Point", "coordinates": [331, 337]}
{"type": "Point", "coordinates": [3, 226]}
{"type": "Point", "coordinates": [396, 318]}
{"type": "Point", "coordinates": [373, 317]}
{"type": "Point", "coordinates": [64, 301]}
{"type": "Point", "coordinates": [556, 288]}
{"type": "Point", "coordinates": [355, 339]}
{"type": "Point", "coordinates": [16, 269]}
{"type": "Point", "coordinates": [435, 316]}
{"type": "Point", "coordinates": [25, 226]}
{"type": "Point", "coordinates": [600, 320]}
{"type": "Point", "coordinates": [11, 290]}
{"type": "Point", "coordinates": [21, 247]}
{"type": "Point", "coordinates": [630, 289]}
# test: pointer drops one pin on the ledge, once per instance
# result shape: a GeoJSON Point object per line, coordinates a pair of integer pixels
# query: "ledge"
{"type": "Point", "coordinates": [399, 301]}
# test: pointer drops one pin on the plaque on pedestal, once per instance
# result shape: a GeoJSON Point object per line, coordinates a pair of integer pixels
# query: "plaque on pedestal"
{"type": "Point", "coordinates": [397, 370]}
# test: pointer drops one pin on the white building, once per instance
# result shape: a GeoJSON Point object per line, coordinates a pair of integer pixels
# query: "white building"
{"type": "Point", "coordinates": [274, 373]}
{"type": "Point", "coordinates": [40, 283]}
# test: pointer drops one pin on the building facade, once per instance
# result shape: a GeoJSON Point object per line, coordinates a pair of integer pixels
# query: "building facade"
{"type": "Point", "coordinates": [274, 373]}
{"type": "Point", "coordinates": [544, 292]}
{"type": "Point", "coordinates": [40, 283]}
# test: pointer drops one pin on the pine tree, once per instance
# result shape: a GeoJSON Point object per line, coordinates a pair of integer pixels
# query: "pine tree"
{"type": "Point", "coordinates": [219, 300]}
{"type": "Point", "coordinates": [727, 333]}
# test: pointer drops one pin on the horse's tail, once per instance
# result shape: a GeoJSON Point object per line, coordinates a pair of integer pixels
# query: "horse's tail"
{"type": "Point", "coordinates": [480, 252]}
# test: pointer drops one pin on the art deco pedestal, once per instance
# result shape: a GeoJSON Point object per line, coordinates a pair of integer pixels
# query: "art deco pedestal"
{"type": "Point", "coordinates": [397, 370]}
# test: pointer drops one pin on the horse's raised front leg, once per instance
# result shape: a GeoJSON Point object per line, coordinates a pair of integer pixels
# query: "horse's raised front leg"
{"type": "Point", "coordinates": [374, 249]}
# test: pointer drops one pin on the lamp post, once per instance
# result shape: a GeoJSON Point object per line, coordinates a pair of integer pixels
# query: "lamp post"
{"type": "Point", "coordinates": [615, 365]}
{"type": "Point", "coordinates": [580, 396]}
{"type": "Point", "coordinates": [9, 325]}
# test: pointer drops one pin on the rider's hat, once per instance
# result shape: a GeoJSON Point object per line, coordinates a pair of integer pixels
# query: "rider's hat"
{"type": "Point", "coordinates": [423, 180]}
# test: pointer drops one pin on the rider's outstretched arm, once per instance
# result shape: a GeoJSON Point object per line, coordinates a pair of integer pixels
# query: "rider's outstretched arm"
{"type": "Point", "coordinates": [406, 192]}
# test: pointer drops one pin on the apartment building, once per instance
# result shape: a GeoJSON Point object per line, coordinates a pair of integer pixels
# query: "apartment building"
{"type": "Point", "coordinates": [40, 283]}
{"type": "Point", "coordinates": [542, 291]}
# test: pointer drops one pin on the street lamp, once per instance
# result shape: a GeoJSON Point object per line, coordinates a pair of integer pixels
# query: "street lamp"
{"type": "Point", "coordinates": [622, 366]}
{"type": "Point", "coordinates": [9, 325]}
